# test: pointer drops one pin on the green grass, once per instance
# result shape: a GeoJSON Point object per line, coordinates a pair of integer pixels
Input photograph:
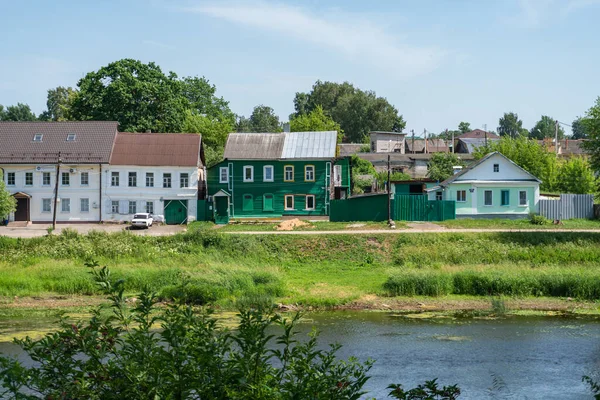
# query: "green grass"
{"type": "Point", "coordinates": [259, 226]}
{"type": "Point", "coordinates": [318, 270]}
{"type": "Point", "coordinates": [517, 224]}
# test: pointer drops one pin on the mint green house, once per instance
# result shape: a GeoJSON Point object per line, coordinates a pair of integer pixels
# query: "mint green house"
{"type": "Point", "coordinates": [493, 187]}
{"type": "Point", "coordinates": [270, 175]}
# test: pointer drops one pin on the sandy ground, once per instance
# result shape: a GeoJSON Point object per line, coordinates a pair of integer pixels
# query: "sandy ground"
{"type": "Point", "coordinates": [37, 230]}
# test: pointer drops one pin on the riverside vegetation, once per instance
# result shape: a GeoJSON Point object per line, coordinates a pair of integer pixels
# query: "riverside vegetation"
{"type": "Point", "coordinates": [316, 270]}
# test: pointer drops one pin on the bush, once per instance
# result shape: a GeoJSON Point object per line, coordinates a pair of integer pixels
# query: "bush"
{"type": "Point", "coordinates": [538, 219]}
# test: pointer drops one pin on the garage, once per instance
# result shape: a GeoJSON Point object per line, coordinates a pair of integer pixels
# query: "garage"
{"type": "Point", "coordinates": [176, 212]}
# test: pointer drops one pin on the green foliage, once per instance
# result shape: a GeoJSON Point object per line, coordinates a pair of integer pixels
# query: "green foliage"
{"type": "Point", "coordinates": [141, 97]}
{"type": "Point", "coordinates": [263, 119]}
{"type": "Point", "coordinates": [536, 219]}
{"type": "Point", "coordinates": [361, 167]}
{"type": "Point", "coordinates": [529, 155]}
{"type": "Point", "coordinates": [8, 203]}
{"type": "Point", "coordinates": [576, 176]}
{"type": "Point", "coordinates": [579, 129]}
{"type": "Point", "coordinates": [427, 391]}
{"type": "Point", "coordinates": [315, 120]}
{"type": "Point", "coordinates": [59, 104]}
{"type": "Point", "coordinates": [356, 111]}
{"type": "Point", "coordinates": [19, 112]}
{"type": "Point", "coordinates": [510, 125]}
{"type": "Point", "coordinates": [123, 356]}
{"type": "Point", "coordinates": [594, 386]}
{"type": "Point", "coordinates": [498, 306]}
{"type": "Point", "coordinates": [464, 127]}
{"type": "Point", "coordinates": [441, 165]}
{"type": "Point", "coordinates": [382, 177]}
{"type": "Point", "coordinates": [214, 134]}
{"type": "Point", "coordinates": [545, 128]}
{"type": "Point", "coordinates": [591, 123]}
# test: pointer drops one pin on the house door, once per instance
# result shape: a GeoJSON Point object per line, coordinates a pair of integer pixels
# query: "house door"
{"type": "Point", "coordinates": [22, 211]}
{"type": "Point", "coordinates": [175, 212]}
{"type": "Point", "coordinates": [221, 210]}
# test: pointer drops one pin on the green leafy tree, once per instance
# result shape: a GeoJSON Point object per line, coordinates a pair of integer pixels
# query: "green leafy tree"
{"type": "Point", "coordinates": [427, 391]}
{"type": "Point", "coordinates": [576, 176]}
{"type": "Point", "coordinates": [141, 97]}
{"type": "Point", "coordinates": [264, 119]}
{"type": "Point", "coordinates": [8, 203]}
{"type": "Point", "coordinates": [356, 111]}
{"type": "Point", "coordinates": [510, 125]}
{"type": "Point", "coordinates": [545, 128]}
{"type": "Point", "coordinates": [579, 129]}
{"type": "Point", "coordinates": [529, 155]}
{"type": "Point", "coordinates": [19, 112]}
{"type": "Point", "coordinates": [591, 122]}
{"type": "Point", "coordinates": [58, 104]}
{"type": "Point", "coordinates": [464, 127]}
{"type": "Point", "coordinates": [361, 167]}
{"type": "Point", "coordinates": [214, 134]}
{"type": "Point", "coordinates": [441, 165]}
{"type": "Point", "coordinates": [316, 120]}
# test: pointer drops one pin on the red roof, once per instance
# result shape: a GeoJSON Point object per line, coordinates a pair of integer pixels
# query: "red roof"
{"type": "Point", "coordinates": [478, 134]}
{"type": "Point", "coordinates": [157, 149]}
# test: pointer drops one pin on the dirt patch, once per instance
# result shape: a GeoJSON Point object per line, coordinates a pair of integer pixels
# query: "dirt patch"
{"type": "Point", "coordinates": [53, 302]}
{"type": "Point", "coordinates": [291, 224]}
{"type": "Point", "coordinates": [351, 226]}
{"type": "Point", "coordinates": [425, 226]}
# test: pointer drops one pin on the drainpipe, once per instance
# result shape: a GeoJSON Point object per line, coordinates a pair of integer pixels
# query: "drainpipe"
{"type": "Point", "coordinates": [100, 191]}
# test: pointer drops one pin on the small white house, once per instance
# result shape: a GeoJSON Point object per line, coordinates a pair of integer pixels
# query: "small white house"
{"type": "Point", "coordinates": [387, 142]}
{"type": "Point", "coordinates": [159, 173]}
{"type": "Point", "coordinates": [490, 188]}
{"type": "Point", "coordinates": [33, 155]}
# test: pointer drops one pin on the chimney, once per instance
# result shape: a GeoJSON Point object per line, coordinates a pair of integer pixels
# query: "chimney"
{"type": "Point", "coordinates": [286, 127]}
{"type": "Point", "coordinates": [456, 169]}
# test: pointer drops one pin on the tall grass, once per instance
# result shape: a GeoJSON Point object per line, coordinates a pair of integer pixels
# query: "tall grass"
{"type": "Point", "coordinates": [581, 284]}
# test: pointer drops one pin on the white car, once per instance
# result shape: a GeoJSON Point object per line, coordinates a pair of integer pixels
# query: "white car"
{"type": "Point", "coordinates": [142, 220]}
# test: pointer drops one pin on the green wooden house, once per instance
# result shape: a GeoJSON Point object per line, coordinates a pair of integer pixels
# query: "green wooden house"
{"type": "Point", "coordinates": [269, 175]}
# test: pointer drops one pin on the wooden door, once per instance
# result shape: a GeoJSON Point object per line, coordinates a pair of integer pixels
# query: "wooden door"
{"type": "Point", "coordinates": [22, 212]}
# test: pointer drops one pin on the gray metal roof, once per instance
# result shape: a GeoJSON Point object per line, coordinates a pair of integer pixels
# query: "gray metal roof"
{"type": "Point", "coordinates": [92, 143]}
{"type": "Point", "coordinates": [309, 145]}
{"type": "Point", "coordinates": [472, 143]}
{"type": "Point", "coordinates": [254, 146]}
{"type": "Point", "coordinates": [274, 146]}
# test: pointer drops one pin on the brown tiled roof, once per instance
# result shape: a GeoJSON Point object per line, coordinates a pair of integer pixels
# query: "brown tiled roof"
{"type": "Point", "coordinates": [477, 134]}
{"type": "Point", "coordinates": [433, 145]}
{"type": "Point", "coordinates": [567, 147]}
{"type": "Point", "coordinates": [92, 145]}
{"type": "Point", "coordinates": [157, 149]}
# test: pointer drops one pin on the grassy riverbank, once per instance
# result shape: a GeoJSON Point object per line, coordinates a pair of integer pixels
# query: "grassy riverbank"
{"type": "Point", "coordinates": [315, 270]}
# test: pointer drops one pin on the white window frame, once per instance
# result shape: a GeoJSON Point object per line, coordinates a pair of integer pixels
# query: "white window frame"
{"type": "Point", "coordinates": [313, 202]}
{"type": "Point", "coordinates": [62, 179]}
{"type": "Point", "coordinates": [526, 199]}
{"type": "Point", "coordinates": [150, 179]}
{"type": "Point", "coordinates": [224, 178]}
{"type": "Point", "coordinates": [87, 179]}
{"type": "Point", "coordinates": [285, 206]}
{"type": "Point", "coordinates": [458, 196]}
{"type": "Point", "coordinates": [49, 201]}
{"type": "Point", "coordinates": [63, 202]}
{"type": "Point", "coordinates": [114, 207]}
{"type": "Point", "coordinates": [71, 137]}
{"type": "Point", "coordinates": [251, 169]}
{"type": "Point", "coordinates": [10, 175]}
{"type": "Point", "coordinates": [38, 137]}
{"type": "Point", "coordinates": [272, 179]}
{"type": "Point", "coordinates": [151, 204]}
{"type": "Point", "coordinates": [49, 175]}
{"type": "Point", "coordinates": [170, 177]}
{"type": "Point", "coordinates": [308, 168]}
{"type": "Point", "coordinates": [439, 195]}
{"type": "Point", "coordinates": [285, 179]}
{"type": "Point", "coordinates": [115, 178]}
{"type": "Point", "coordinates": [491, 198]}
{"type": "Point", "coordinates": [81, 203]}
{"type": "Point", "coordinates": [129, 204]}
{"type": "Point", "coordinates": [496, 168]}
{"type": "Point", "coordinates": [30, 174]}
{"type": "Point", "coordinates": [187, 179]}
{"type": "Point", "coordinates": [132, 179]}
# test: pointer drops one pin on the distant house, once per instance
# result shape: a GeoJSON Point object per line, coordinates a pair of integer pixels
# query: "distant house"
{"type": "Point", "coordinates": [468, 145]}
{"type": "Point", "coordinates": [29, 156]}
{"type": "Point", "coordinates": [566, 147]}
{"type": "Point", "coordinates": [387, 142]}
{"type": "Point", "coordinates": [430, 146]}
{"type": "Point", "coordinates": [158, 173]}
{"type": "Point", "coordinates": [275, 174]}
{"type": "Point", "coordinates": [349, 149]}
{"type": "Point", "coordinates": [491, 187]}
{"type": "Point", "coordinates": [478, 134]}
{"type": "Point", "coordinates": [412, 187]}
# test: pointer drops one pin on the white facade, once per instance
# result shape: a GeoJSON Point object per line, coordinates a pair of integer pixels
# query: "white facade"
{"type": "Point", "coordinates": [387, 142]}
{"type": "Point", "coordinates": [146, 189]}
{"type": "Point", "coordinates": [78, 191]}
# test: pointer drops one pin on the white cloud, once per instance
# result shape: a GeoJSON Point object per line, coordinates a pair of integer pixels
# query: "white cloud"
{"type": "Point", "coordinates": [358, 38]}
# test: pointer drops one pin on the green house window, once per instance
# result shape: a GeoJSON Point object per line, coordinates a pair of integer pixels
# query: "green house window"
{"type": "Point", "coordinates": [268, 202]}
{"type": "Point", "coordinates": [248, 203]}
{"type": "Point", "coordinates": [505, 198]}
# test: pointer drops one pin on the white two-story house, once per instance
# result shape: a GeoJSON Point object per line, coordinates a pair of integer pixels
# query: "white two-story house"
{"type": "Point", "coordinates": [159, 173]}
{"type": "Point", "coordinates": [33, 155]}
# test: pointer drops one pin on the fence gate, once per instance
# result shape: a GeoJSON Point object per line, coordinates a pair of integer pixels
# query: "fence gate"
{"type": "Point", "coordinates": [420, 208]}
{"type": "Point", "coordinates": [569, 206]}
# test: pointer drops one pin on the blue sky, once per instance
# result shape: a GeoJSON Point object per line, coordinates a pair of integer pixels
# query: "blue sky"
{"type": "Point", "coordinates": [439, 62]}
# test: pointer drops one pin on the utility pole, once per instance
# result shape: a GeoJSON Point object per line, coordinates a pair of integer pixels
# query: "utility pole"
{"type": "Point", "coordinates": [452, 139]}
{"type": "Point", "coordinates": [56, 191]}
{"type": "Point", "coordinates": [556, 137]}
{"type": "Point", "coordinates": [425, 139]}
{"type": "Point", "coordinates": [413, 140]}
{"type": "Point", "coordinates": [389, 193]}
{"type": "Point", "coordinates": [485, 130]}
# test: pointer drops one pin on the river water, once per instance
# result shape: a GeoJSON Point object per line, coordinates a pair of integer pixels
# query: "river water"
{"type": "Point", "coordinates": [524, 357]}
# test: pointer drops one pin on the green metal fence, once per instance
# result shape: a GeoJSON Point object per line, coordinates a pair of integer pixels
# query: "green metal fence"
{"type": "Point", "coordinates": [420, 208]}
{"type": "Point", "coordinates": [363, 208]}
{"type": "Point", "coordinates": [204, 211]}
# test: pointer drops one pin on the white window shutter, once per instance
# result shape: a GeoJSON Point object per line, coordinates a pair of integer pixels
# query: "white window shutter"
{"type": "Point", "coordinates": [108, 206]}
{"type": "Point", "coordinates": [123, 207]}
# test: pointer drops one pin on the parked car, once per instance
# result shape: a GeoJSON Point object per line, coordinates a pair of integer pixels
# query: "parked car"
{"type": "Point", "coordinates": [142, 220]}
